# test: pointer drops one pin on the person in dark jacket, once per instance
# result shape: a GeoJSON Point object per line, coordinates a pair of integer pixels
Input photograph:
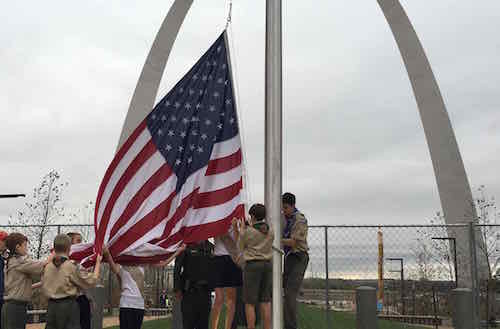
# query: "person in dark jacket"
{"type": "Point", "coordinates": [192, 284]}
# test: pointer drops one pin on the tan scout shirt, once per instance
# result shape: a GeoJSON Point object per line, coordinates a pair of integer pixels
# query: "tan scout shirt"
{"type": "Point", "coordinates": [65, 280]}
{"type": "Point", "coordinates": [19, 273]}
{"type": "Point", "coordinates": [299, 233]}
{"type": "Point", "coordinates": [256, 245]}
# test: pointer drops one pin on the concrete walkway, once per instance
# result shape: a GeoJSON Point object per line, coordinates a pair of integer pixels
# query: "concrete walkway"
{"type": "Point", "coordinates": [109, 321]}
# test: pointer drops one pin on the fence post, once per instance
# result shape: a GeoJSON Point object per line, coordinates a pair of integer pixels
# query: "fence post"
{"type": "Point", "coordinates": [473, 266]}
{"type": "Point", "coordinates": [366, 308]}
{"type": "Point", "coordinates": [462, 308]}
{"type": "Point", "coordinates": [58, 229]}
{"type": "Point", "coordinates": [327, 283]}
{"type": "Point", "coordinates": [98, 295]}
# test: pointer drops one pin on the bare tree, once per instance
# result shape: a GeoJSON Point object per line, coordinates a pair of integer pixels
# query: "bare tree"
{"type": "Point", "coordinates": [433, 257]}
{"type": "Point", "coordinates": [45, 208]}
{"type": "Point", "coordinates": [439, 251]}
{"type": "Point", "coordinates": [488, 216]}
{"type": "Point", "coordinates": [83, 216]}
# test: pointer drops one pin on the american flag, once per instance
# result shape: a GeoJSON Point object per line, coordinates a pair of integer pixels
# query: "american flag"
{"type": "Point", "coordinates": [178, 178]}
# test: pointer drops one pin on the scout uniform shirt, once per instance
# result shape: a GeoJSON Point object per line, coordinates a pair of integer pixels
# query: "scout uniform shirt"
{"type": "Point", "coordinates": [19, 272]}
{"type": "Point", "coordinates": [62, 279]}
{"type": "Point", "coordinates": [256, 242]}
{"type": "Point", "coordinates": [296, 228]}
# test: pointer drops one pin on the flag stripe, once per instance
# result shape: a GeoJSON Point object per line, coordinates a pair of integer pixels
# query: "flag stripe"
{"type": "Point", "coordinates": [143, 226]}
{"type": "Point", "coordinates": [139, 160]}
{"type": "Point", "coordinates": [224, 164]}
{"type": "Point", "coordinates": [225, 148]}
{"type": "Point", "coordinates": [143, 138]}
{"type": "Point", "coordinates": [157, 179]}
{"type": "Point", "coordinates": [214, 198]}
{"type": "Point", "coordinates": [199, 232]}
{"type": "Point", "coordinates": [116, 160]}
{"type": "Point", "coordinates": [150, 166]}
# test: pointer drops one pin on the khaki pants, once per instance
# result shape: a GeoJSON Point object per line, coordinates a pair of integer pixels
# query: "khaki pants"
{"type": "Point", "coordinates": [295, 268]}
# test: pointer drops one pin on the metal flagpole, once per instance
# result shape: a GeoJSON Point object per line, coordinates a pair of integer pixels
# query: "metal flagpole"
{"type": "Point", "coordinates": [273, 156]}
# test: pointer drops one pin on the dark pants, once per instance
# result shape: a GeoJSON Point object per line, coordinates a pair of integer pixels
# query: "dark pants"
{"type": "Point", "coordinates": [63, 314]}
{"type": "Point", "coordinates": [14, 315]}
{"type": "Point", "coordinates": [131, 318]}
{"type": "Point", "coordinates": [1, 304]}
{"type": "Point", "coordinates": [295, 268]}
{"type": "Point", "coordinates": [84, 304]}
{"type": "Point", "coordinates": [195, 307]}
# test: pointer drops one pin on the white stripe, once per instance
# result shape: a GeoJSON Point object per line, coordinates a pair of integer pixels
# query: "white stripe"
{"type": "Point", "coordinates": [135, 148]}
{"type": "Point", "coordinates": [222, 180]}
{"type": "Point", "coordinates": [226, 148]}
{"type": "Point", "coordinates": [211, 214]}
{"type": "Point", "coordinates": [80, 247]}
{"type": "Point", "coordinates": [194, 217]}
{"type": "Point", "coordinates": [148, 250]}
{"type": "Point", "coordinates": [133, 186]}
{"type": "Point", "coordinates": [199, 216]}
{"type": "Point", "coordinates": [160, 194]}
{"type": "Point", "coordinates": [154, 233]}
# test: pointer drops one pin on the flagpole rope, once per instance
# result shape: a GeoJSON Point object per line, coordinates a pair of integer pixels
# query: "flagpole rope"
{"type": "Point", "coordinates": [246, 185]}
{"type": "Point", "coordinates": [229, 14]}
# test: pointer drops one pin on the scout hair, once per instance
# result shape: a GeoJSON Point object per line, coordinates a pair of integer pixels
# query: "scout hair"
{"type": "Point", "coordinates": [13, 240]}
{"type": "Point", "coordinates": [258, 211]}
{"type": "Point", "coordinates": [73, 234]}
{"type": "Point", "coordinates": [288, 198]}
{"type": "Point", "coordinates": [62, 243]}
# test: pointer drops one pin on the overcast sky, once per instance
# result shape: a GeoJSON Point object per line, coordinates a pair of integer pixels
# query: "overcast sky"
{"type": "Point", "coordinates": [354, 147]}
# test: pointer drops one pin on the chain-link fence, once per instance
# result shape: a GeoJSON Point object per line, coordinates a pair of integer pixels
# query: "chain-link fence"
{"type": "Point", "coordinates": [413, 267]}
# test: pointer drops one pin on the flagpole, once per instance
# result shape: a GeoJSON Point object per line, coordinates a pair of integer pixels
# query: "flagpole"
{"type": "Point", "coordinates": [273, 155]}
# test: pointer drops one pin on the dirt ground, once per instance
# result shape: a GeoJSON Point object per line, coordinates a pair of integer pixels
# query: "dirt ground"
{"type": "Point", "coordinates": [110, 321]}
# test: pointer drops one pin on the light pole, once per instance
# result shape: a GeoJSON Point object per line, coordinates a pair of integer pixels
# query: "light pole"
{"type": "Point", "coordinates": [11, 196]}
{"type": "Point", "coordinates": [401, 271]}
{"type": "Point", "coordinates": [455, 264]}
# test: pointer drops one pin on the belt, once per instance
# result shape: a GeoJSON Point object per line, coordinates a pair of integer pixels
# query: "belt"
{"type": "Point", "coordinates": [16, 302]}
{"type": "Point", "coordinates": [258, 261]}
{"type": "Point", "coordinates": [57, 300]}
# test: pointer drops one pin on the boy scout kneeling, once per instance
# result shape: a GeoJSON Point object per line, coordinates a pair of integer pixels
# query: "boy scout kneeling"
{"type": "Point", "coordinates": [61, 283]}
{"type": "Point", "coordinates": [256, 242]}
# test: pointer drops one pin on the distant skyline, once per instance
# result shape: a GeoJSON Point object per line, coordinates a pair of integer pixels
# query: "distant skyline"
{"type": "Point", "coordinates": [354, 147]}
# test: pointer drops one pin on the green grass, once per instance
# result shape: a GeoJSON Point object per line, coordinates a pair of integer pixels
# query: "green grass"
{"type": "Point", "coordinates": [309, 318]}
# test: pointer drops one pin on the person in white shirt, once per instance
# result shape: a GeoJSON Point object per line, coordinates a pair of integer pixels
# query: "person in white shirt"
{"type": "Point", "coordinates": [131, 280]}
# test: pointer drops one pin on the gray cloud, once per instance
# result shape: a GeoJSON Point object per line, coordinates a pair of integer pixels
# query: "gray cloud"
{"type": "Point", "coordinates": [354, 149]}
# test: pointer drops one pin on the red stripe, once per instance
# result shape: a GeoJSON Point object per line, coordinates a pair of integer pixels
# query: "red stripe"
{"type": "Point", "coordinates": [200, 200]}
{"type": "Point", "coordinates": [196, 233]}
{"type": "Point", "coordinates": [142, 227]}
{"type": "Point", "coordinates": [135, 260]}
{"type": "Point", "coordinates": [179, 214]}
{"type": "Point", "coordinates": [81, 254]}
{"type": "Point", "coordinates": [158, 178]}
{"type": "Point", "coordinates": [224, 164]}
{"type": "Point", "coordinates": [217, 197]}
{"type": "Point", "coordinates": [143, 156]}
{"type": "Point", "coordinates": [114, 163]}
